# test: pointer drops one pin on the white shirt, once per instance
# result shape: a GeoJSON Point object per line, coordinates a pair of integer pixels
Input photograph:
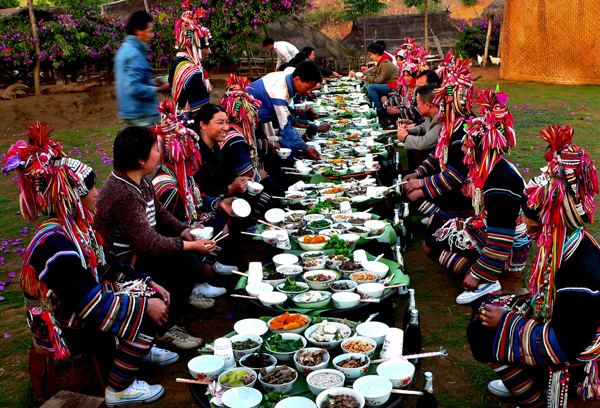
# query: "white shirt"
{"type": "Point", "coordinates": [285, 52]}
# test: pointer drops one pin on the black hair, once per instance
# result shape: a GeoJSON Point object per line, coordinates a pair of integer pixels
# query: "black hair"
{"type": "Point", "coordinates": [308, 50]}
{"type": "Point", "coordinates": [291, 63]}
{"type": "Point", "coordinates": [308, 71]}
{"type": "Point", "coordinates": [207, 112]}
{"type": "Point", "coordinates": [425, 93]}
{"type": "Point", "coordinates": [375, 49]}
{"type": "Point", "coordinates": [301, 56]}
{"type": "Point", "coordinates": [268, 41]}
{"type": "Point", "coordinates": [531, 213]}
{"type": "Point", "coordinates": [138, 20]}
{"type": "Point", "coordinates": [90, 180]}
{"type": "Point", "coordinates": [412, 74]}
{"type": "Point", "coordinates": [432, 77]}
{"type": "Point", "coordinates": [382, 43]}
{"type": "Point", "coordinates": [132, 144]}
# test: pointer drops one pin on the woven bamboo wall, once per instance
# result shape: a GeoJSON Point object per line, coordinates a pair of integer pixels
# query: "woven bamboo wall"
{"type": "Point", "coordinates": [555, 41]}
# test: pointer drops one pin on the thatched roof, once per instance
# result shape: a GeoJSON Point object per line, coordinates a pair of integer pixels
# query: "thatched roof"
{"type": "Point", "coordinates": [41, 13]}
{"type": "Point", "coordinates": [494, 9]}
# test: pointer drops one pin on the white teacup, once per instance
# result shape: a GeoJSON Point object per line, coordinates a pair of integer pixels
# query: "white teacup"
{"type": "Point", "coordinates": [202, 233]}
{"type": "Point", "coordinates": [254, 188]}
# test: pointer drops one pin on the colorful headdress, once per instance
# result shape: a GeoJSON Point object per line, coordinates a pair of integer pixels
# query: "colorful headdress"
{"type": "Point", "coordinates": [564, 198]}
{"type": "Point", "coordinates": [491, 135]}
{"type": "Point", "coordinates": [406, 48]}
{"type": "Point", "coordinates": [454, 98]}
{"type": "Point", "coordinates": [190, 35]}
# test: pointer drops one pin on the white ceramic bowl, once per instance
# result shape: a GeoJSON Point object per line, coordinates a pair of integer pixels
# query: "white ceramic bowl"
{"type": "Point", "coordinates": [274, 215]}
{"type": "Point", "coordinates": [296, 402]}
{"type": "Point", "coordinates": [364, 232]}
{"type": "Point", "coordinates": [297, 330]}
{"type": "Point", "coordinates": [399, 372]}
{"type": "Point", "coordinates": [237, 354]}
{"type": "Point", "coordinates": [281, 388]}
{"type": "Point", "coordinates": [378, 268]}
{"type": "Point", "coordinates": [291, 271]}
{"type": "Point", "coordinates": [359, 168]}
{"type": "Point", "coordinates": [351, 283]}
{"type": "Point", "coordinates": [370, 290]}
{"type": "Point", "coordinates": [253, 326]}
{"type": "Point", "coordinates": [255, 289]}
{"type": "Point", "coordinates": [377, 227]}
{"type": "Point", "coordinates": [206, 368]}
{"type": "Point", "coordinates": [270, 299]}
{"type": "Point", "coordinates": [313, 247]}
{"type": "Point", "coordinates": [330, 232]}
{"type": "Point", "coordinates": [304, 170]}
{"type": "Point", "coordinates": [249, 370]}
{"type": "Point", "coordinates": [242, 397]}
{"type": "Point", "coordinates": [380, 191]}
{"type": "Point", "coordinates": [273, 282]}
{"type": "Point", "coordinates": [269, 237]}
{"type": "Point", "coordinates": [312, 255]}
{"type": "Point", "coordinates": [362, 215]}
{"type": "Point", "coordinates": [320, 285]}
{"type": "Point", "coordinates": [285, 259]}
{"type": "Point", "coordinates": [241, 208]}
{"type": "Point", "coordinates": [361, 151]}
{"type": "Point", "coordinates": [327, 345]}
{"type": "Point", "coordinates": [375, 330]}
{"type": "Point", "coordinates": [354, 276]}
{"type": "Point", "coordinates": [254, 188]}
{"type": "Point", "coordinates": [202, 233]}
{"type": "Point", "coordinates": [321, 262]}
{"type": "Point", "coordinates": [309, 226]}
{"type": "Point", "coordinates": [368, 181]}
{"type": "Point", "coordinates": [345, 300]}
{"type": "Point", "coordinates": [350, 239]}
{"type": "Point", "coordinates": [351, 373]}
{"type": "Point", "coordinates": [290, 295]}
{"type": "Point", "coordinates": [315, 304]}
{"type": "Point", "coordinates": [322, 397]}
{"type": "Point", "coordinates": [359, 198]}
{"type": "Point", "coordinates": [331, 195]}
{"type": "Point", "coordinates": [299, 196]}
{"type": "Point", "coordinates": [309, 202]}
{"type": "Point", "coordinates": [283, 357]}
{"type": "Point", "coordinates": [244, 359]}
{"type": "Point", "coordinates": [309, 369]}
{"type": "Point", "coordinates": [340, 218]}
{"type": "Point", "coordinates": [316, 390]}
{"type": "Point", "coordinates": [313, 217]}
{"type": "Point", "coordinates": [284, 153]}
{"type": "Point", "coordinates": [375, 389]}
{"type": "Point", "coordinates": [361, 338]}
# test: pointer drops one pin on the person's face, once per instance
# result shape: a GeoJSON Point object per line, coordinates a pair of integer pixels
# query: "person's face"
{"type": "Point", "coordinates": [89, 201]}
{"type": "Point", "coordinates": [149, 165]}
{"type": "Point", "coordinates": [407, 77]}
{"type": "Point", "coordinates": [304, 88]}
{"type": "Point", "coordinates": [270, 47]}
{"type": "Point", "coordinates": [399, 59]}
{"type": "Point", "coordinates": [423, 107]}
{"type": "Point", "coordinates": [312, 56]}
{"type": "Point", "coordinates": [145, 35]}
{"type": "Point", "coordinates": [375, 57]}
{"type": "Point", "coordinates": [205, 52]}
{"type": "Point", "coordinates": [217, 128]}
{"type": "Point", "coordinates": [422, 81]}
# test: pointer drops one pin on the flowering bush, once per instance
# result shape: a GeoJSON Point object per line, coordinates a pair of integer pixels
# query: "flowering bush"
{"type": "Point", "coordinates": [471, 37]}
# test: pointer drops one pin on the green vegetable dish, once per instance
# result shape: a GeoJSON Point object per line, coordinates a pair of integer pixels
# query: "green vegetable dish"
{"type": "Point", "coordinates": [244, 345]}
{"type": "Point", "coordinates": [318, 224]}
{"type": "Point", "coordinates": [291, 286]}
{"type": "Point", "coordinates": [277, 344]}
{"type": "Point", "coordinates": [339, 246]}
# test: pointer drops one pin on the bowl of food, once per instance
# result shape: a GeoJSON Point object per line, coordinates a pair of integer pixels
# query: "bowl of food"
{"type": "Point", "coordinates": [272, 299]}
{"type": "Point", "coordinates": [269, 237]}
{"type": "Point", "coordinates": [370, 290]}
{"type": "Point", "coordinates": [242, 398]}
{"type": "Point", "coordinates": [244, 344]}
{"type": "Point", "coordinates": [284, 346]}
{"type": "Point", "coordinates": [334, 260]}
{"type": "Point", "coordinates": [327, 335]}
{"type": "Point", "coordinates": [295, 197]}
{"type": "Point", "coordinates": [363, 277]}
{"type": "Point", "coordinates": [255, 289]}
{"type": "Point", "coordinates": [365, 216]}
{"type": "Point", "coordinates": [343, 286]}
{"type": "Point", "coordinates": [296, 236]}
{"type": "Point", "coordinates": [332, 192]}
{"type": "Point", "coordinates": [318, 225]}
{"type": "Point", "coordinates": [285, 259]}
{"type": "Point", "coordinates": [330, 232]}
{"type": "Point", "coordinates": [252, 326]}
{"type": "Point", "coordinates": [312, 299]}
{"type": "Point", "coordinates": [292, 288]}
{"type": "Point", "coordinates": [340, 218]}
{"type": "Point", "coordinates": [360, 345]}
{"type": "Point", "coordinates": [258, 360]}
{"type": "Point", "coordinates": [361, 151]}
{"type": "Point", "coordinates": [376, 390]}
{"type": "Point", "coordinates": [362, 232]}
{"type": "Point", "coordinates": [206, 368]}
{"type": "Point", "coordinates": [348, 268]}
{"type": "Point", "coordinates": [241, 208]}
{"type": "Point", "coordinates": [311, 359]}
{"type": "Point", "coordinates": [377, 227]}
{"type": "Point", "coordinates": [238, 377]}
{"type": "Point", "coordinates": [313, 242]}
{"type": "Point", "coordinates": [254, 188]}
{"type": "Point", "coordinates": [313, 217]}
{"type": "Point", "coordinates": [341, 227]}
{"type": "Point", "coordinates": [378, 268]}
{"type": "Point", "coordinates": [273, 278]}
{"type": "Point", "coordinates": [284, 153]}
{"type": "Point", "coordinates": [312, 255]}
{"type": "Point", "coordinates": [324, 379]}
{"type": "Point", "coordinates": [400, 372]}
{"type": "Point", "coordinates": [289, 323]}
{"type": "Point", "coordinates": [358, 168]}
{"type": "Point", "coordinates": [309, 202]}
{"type": "Point", "coordinates": [350, 239]}
{"type": "Point", "coordinates": [275, 215]}
{"type": "Point", "coordinates": [345, 300]}
{"type": "Point", "coordinates": [292, 272]}
{"type": "Point", "coordinates": [375, 330]}
{"type": "Point", "coordinates": [352, 365]}
{"type": "Point", "coordinates": [340, 397]}
{"type": "Point", "coordinates": [320, 279]}
{"type": "Point", "coordinates": [294, 216]}
{"type": "Point", "coordinates": [296, 402]}
{"type": "Point", "coordinates": [292, 227]}
{"type": "Point", "coordinates": [312, 264]}
{"type": "Point", "coordinates": [277, 379]}
{"type": "Point", "coordinates": [202, 233]}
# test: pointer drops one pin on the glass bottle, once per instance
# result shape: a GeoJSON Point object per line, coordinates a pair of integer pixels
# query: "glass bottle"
{"type": "Point", "coordinates": [427, 400]}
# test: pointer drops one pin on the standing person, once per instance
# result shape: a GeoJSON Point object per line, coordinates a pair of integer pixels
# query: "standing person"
{"type": "Point", "coordinates": [76, 297]}
{"type": "Point", "coordinates": [284, 50]}
{"type": "Point", "coordinates": [310, 51]}
{"type": "Point", "coordinates": [135, 88]}
{"type": "Point", "coordinates": [275, 91]}
{"type": "Point", "coordinates": [141, 232]}
{"type": "Point", "coordinates": [551, 344]}
{"type": "Point", "coordinates": [190, 86]}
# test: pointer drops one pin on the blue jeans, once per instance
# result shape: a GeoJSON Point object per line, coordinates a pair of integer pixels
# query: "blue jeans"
{"type": "Point", "coordinates": [376, 91]}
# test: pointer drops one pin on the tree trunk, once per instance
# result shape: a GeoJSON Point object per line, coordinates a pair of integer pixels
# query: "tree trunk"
{"type": "Point", "coordinates": [487, 41]}
{"type": "Point", "coordinates": [426, 34]}
{"type": "Point", "coordinates": [146, 5]}
{"type": "Point", "coordinates": [249, 60]}
{"type": "Point", "coordinates": [36, 71]}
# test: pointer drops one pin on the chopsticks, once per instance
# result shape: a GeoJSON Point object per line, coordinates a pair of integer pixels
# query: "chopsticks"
{"type": "Point", "coordinates": [395, 391]}
{"type": "Point", "coordinates": [270, 225]}
{"type": "Point", "coordinates": [398, 184]}
{"type": "Point", "coordinates": [395, 286]}
{"type": "Point", "coordinates": [441, 353]}
{"type": "Point", "coordinates": [186, 381]}
{"type": "Point", "coordinates": [369, 300]}
{"type": "Point", "coordinates": [216, 240]}
{"type": "Point", "coordinates": [240, 273]}
{"type": "Point", "coordinates": [244, 297]}
{"type": "Point", "coordinates": [250, 233]}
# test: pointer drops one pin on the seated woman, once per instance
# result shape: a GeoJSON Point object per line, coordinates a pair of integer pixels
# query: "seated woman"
{"type": "Point", "coordinates": [75, 296]}
{"type": "Point", "coordinates": [179, 194]}
{"type": "Point", "coordinates": [382, 78]}
{"type": "Point", "coordinates": [556, 331]}
{"type": "Point", "coordinates": [135, 226]}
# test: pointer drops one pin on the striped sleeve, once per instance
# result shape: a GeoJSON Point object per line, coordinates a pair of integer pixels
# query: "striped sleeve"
{"type": "Point", "coordinates": [430, 165]}
{"type": "Point", "coordinates": [442, 182]}
{"type": "Point", "coordinates": [495, 254]}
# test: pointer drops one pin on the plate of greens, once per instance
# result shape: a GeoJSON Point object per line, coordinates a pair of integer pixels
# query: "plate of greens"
{"type": "Point", "coordinates": [283, 346]}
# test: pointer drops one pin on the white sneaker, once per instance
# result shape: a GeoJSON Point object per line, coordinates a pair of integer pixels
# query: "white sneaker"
{"type": "Point", "coordinates": [200, 301]}
{"type": "Point", "coordinates": [425, 220]}
{"type": "Point", "coordinates": [160, 357]}
{"type": "Point", "coordinates": [140, 392]}
{"type": "Point", "coordinates": [208, 290]}
{"type": "Point", "coordinates": [482, 289]}
{"type": "Point", "coordinates": [497, 387]}
{"type": "Point", "coordinates": [224, 269]}
{"type": "Point", "coordinates": [178, 337]}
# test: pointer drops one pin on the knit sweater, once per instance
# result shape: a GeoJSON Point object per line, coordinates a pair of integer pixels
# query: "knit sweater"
{"type": "Point", "coordinates": [131, 219]}
{"type": "Point", "coordinates": [423, 137]}
{"type": "Point", "coordinates": [385, 72]}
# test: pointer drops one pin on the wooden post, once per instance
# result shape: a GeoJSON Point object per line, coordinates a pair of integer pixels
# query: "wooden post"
{"type": "Point", "coordinates": [426, 34]}
{"type": "Point", "coordinates": [146, 5]}
{"type": "Point", "coordinates": [500, 44]}
{"type": "Point", "coordinates": [36, 70]}
{"type": "Point", "coordinates": [249, 59]}
{"type": "Point", "coordinates": [487, 41]}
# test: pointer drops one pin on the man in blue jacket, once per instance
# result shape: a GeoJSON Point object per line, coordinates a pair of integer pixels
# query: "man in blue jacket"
{"type": "Point", "coordinates": [135, 88]}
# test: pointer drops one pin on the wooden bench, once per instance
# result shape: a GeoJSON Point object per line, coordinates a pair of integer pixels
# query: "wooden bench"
{"type": "Point", "coordinates": [68, 399]}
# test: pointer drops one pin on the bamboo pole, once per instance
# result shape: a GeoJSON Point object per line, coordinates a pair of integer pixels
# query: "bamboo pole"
{"type": "Point", "coordinates": [147, 7]}
{"type": "Point", "coordinates": [36, 70]}
{"type": "Point", "coordinates": [487, 41]}
{"type": "Point", "coordinates": [426, 34]}
{"type": "Point", "coordinates": [249, 59]}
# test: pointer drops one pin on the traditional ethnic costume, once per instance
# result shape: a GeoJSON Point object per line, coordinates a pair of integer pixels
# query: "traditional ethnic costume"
{"type": "Point", "coordinates": [190, 86]}
{"type": "Point", "coordinates": [557, 332]}
{"type": "Point", "coordinates": [77, 299]}
{"type": "Point", "coordinates": [482, 245]}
